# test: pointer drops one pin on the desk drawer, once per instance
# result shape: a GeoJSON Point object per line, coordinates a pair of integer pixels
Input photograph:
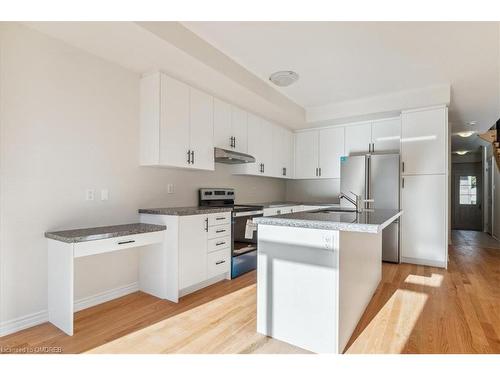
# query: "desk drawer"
{"type": "Point", "coordinates": [82, 249]}
{"type": "Point", "coordinates": [218, 262]}
{"type": "Point", "coordinates": [219, 243]}
{"type": "Point", "coordinates": [219, 219]}
{"type": "Point", "coordinates": [217, 231]}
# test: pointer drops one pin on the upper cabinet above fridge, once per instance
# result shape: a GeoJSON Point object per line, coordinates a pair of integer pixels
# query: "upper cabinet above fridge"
{"type": "Point", "coordinates": [373, 136]}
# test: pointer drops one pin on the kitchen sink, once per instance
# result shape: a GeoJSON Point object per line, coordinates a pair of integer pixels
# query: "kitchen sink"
{"type": "Point", "coordinates": [330, 210]}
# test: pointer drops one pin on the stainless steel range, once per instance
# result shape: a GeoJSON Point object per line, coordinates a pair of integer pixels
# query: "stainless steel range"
{"type": "Point", "coordinates": [243, 238]}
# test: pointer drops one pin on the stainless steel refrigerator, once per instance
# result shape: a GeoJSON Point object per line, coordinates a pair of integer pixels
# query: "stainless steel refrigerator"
{"type": "Point", "coordinates": [375, 176]}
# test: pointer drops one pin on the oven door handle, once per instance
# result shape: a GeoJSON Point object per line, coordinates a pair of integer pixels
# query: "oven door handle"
{"type": "Point", "coordinates": [247, 213]}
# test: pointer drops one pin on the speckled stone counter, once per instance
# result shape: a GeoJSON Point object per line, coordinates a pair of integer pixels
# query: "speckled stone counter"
{"type": "Point", "coordinates": [367, 222]}
{"type": "Point", "coordinates": [184, 211]}
{"type": "Point", "coordinates": [278, 204]}
{"type": "Point", "coordinates": [100, 233]}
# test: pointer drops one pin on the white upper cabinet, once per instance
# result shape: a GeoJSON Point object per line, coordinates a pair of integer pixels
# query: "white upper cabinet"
{"type": "Point", "coordinates": [201, 129]}
{"type": "Point", "coordinates": [358, 138]}
{"type": "Point", "coordinates": [424, 135]}
{"type": "Point", "coordinates": [222, 124]}
{"type": "Point", "coordinates": [306, 154]}
{"type": "Point", "coordinates": [239, 129]}
{"type": "Point", "coordinates": [331, 148]}
{"type": "Point", "coordinates": [255, 147]}
{"type": "Point", "coordinates": [386, 135]}
{"type": "Point", "coordinates": [176, 126]}
{"type": "Point", "coordinates": [287, 154]}
{"type": "Point", "coordinates": [174, 123]}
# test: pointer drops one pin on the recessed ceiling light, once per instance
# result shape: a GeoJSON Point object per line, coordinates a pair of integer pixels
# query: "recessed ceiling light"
{"type": "Point", "coordinates": [284, 78]}
{"type": "Point", "coordinates": [461, 152]}
{"type": "Point", "coordinates": [472, 123]}
{"type": "Point", "coordinates": [465, 134]}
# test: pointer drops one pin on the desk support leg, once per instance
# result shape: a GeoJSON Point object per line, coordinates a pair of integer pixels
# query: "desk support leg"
{"type": "Point", "coordinates": [60, 285]}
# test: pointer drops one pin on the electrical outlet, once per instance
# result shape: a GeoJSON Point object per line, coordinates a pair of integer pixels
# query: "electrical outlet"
{"type": "Point", "coordinates": [104, 194]}
{"type": "Point", "coordinates": [89, 195]}
{"type": "Point", "coordinates": [170, 188]}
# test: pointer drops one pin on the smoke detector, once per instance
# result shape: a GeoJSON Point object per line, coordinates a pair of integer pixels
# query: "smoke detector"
{"type": "Point", "coordinates": [284, 78]}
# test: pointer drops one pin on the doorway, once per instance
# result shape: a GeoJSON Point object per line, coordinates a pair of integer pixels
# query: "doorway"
{"type": "Point", "coordinates": [467, 193]}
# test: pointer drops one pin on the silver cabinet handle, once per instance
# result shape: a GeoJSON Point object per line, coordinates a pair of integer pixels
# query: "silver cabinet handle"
{"type": "Point", "coordinates": [189, 156]}
{"type": "Point", "coordinates": [319, 171]}
{"type": "Point", "coordinates": [206, 224]}
{"type": "Point", "coordinates": [219, 218]}
{"type": "Point", "coordinates": [220, 230]}
{"type": "Point", "coordinates": [192, 157]}
{"type": "Point", "coordinates": [220, 262]}
{"type": "Point", "coordinates": [403, 183]}
{"type": "Point", "coordinates": [220, 243]}
{"type": "Point", "coordinates": [403, 166]}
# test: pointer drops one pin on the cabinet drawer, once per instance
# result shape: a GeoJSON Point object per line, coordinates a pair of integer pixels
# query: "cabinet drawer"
{"type": "Point", "coordinates": [219, 219]}
{"type": "Point", "coordinates": [219, 243]}
{"type": "Point", "coordinates": [218, 262]}
{"type": "Point", "coordinates": [82, 249]}
{"type": "Point", "coordinates": [217, 231]}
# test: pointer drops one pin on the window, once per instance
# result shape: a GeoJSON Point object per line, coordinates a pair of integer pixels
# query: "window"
{"type": "Point", "coordinates": [468, 190]}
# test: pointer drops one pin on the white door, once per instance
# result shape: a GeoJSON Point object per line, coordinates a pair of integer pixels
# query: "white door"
{"type": "Point", "coordinates": [386, 135]}
{"type": "Point", "coordinates": [192, 250]}
{"type": "Point", "coordinates": [222, 124]}
{"type": "Point", "coordinates": [202, 130]}
{"type": "Point", "coordinates": [306, 154]}
{"type": "Point", "coordinates": [254, 144]}
{"type": "Point", "coordinates": [331, 148]}
{"type": "Point", "coordinates": [358, 138]}
{"type": "Point", "coordinates": [423, 141]}
{"type": "Point", "coordinates": [239, 129]}
{"type": "Point", "coordinates": [174, 123]}
{"type": "Point", "coordinates": [423, 223]}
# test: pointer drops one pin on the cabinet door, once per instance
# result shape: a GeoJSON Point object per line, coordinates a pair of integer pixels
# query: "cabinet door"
{"type": "Point", "coordinates": [202, 130]}
{"type": "Point", "coordinates": [267, 152]}
{"type": "Point", "coordinates": [423, 223]}
{"type": "Point", "coordinates": [288, 154]}
{"type": "Point", "coordinates": [174, 123]}
{"type": "Point", "coordinates": [306, 154]}
{"type": "Point", "coordinates": [331, 148]}
{"type": "Point", "coordinates": [254, 145]}
{"type": "Point", "coordinates": [423, 141]}
{"type": "Point", "coordinates": [192, 250]}
{"type": "Point", "coordinates": [386, 135]}
{"type": "Point", "coordinates": [222, 124]}
{"type": "Point", "coordinates": [239, 129]}
{"type": "Point", "coordinates": [358, 138]}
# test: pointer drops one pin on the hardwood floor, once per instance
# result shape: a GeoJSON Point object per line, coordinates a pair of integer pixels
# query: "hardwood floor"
{"type": "Point", "coordinates": [474, 238]}
{"type": "Point", "coordinates": [416, 309]}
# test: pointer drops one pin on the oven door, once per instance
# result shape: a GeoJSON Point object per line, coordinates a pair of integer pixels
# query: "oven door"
{"type": "Point", "coordinates": [244, 247]}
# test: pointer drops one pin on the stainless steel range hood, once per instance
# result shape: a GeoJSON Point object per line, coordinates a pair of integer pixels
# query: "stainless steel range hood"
{"type": "Point", "coordinates": [232, 157]}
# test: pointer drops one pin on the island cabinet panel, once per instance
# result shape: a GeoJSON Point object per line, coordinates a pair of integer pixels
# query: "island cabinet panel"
{"type": "Point", "coordinates": [424, 233]}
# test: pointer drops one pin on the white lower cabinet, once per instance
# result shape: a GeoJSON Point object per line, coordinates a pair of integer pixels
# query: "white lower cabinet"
{"type": "Point", "coordinates": [197, 251]}
{"type": "Point", "coordinates": [424, 228]}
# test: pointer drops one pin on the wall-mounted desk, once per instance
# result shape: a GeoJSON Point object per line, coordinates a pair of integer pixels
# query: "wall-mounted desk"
{"type": "Point", "coordinates": [65, 246]}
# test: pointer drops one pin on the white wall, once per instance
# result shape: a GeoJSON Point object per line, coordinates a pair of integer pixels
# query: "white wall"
{"type": "Point", "coordinates": [69, 121]}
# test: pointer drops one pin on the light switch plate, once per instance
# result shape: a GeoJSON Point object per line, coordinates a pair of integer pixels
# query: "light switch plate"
{"type": "Point", "coordinates": [104, 194]}
{"type": "Point", "coordinates": [89, 194]}
{"type": "Point", "coordinates": [170, 188]}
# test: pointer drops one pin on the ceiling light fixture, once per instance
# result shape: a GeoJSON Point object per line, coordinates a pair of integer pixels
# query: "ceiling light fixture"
{"type": "Point", "coordinates": [461, 152]}
{"type": "Point", "coordinates": [472, 123]}
{"type": "Point", "coordinates": [465, 134]}
{"type": "Point", "coordinates": [284, 78]}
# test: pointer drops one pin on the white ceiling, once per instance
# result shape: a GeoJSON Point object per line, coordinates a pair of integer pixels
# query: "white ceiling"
{"type": "Point", "coordinates": [343, 61]}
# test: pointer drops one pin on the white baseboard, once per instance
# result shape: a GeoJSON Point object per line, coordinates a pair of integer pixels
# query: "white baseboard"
{"type": "Point", "coordinates": [424, 262]}
{"type": "Point", "coordinates": [30, 320]}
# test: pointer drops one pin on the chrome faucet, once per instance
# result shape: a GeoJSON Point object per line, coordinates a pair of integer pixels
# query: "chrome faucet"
{"type": "Point", "coordinates": [358, 202]}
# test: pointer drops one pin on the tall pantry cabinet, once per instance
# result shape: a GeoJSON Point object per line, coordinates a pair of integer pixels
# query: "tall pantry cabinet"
{"type": "Point", "coordinates": [424, 186]}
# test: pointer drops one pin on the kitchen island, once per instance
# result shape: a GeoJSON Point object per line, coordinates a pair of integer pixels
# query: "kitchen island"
{"type": "Point", "coordinates": [316, 273]}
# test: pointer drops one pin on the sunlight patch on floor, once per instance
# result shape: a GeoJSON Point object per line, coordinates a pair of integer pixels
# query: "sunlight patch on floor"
{"type": "Point", "coordinates": [435, 280]}
{"type": "Point", "coordinates": [390, 329]}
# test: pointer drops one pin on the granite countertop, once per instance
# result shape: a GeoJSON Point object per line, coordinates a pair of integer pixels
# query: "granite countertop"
{"type": "Point", "coordinates": [100, 233]}
{"type": "Point", "coordinates": [368, 222]}
{"type": "Point", "coordinates": [184, 211]}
